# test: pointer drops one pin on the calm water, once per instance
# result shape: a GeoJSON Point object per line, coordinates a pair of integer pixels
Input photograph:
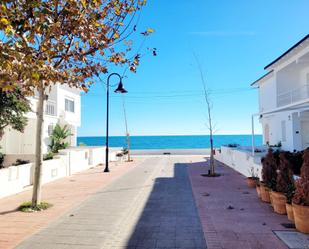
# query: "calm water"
{"type": "Point", "coordinates": [171, 142]}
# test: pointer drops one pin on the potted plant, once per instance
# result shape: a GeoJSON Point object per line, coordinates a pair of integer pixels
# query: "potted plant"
{"type": "Point", "coordinates": [252, 179]}
{"type": "Point", "coordinates": [284, 181]}
{"type": "Point", "coordinates": [258, 188]}
{"type": "Point", "coordinates": [289, 198]}
{"type": "Point", "coordinates": [301, 197]}
{"type": "Point", "coordinates": [269, 174]}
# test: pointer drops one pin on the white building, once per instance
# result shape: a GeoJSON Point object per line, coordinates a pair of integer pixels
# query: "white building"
{"type": "Point", "coordinates": [62, 106]}
{"type": "Point", "coordinates": [284, 98]}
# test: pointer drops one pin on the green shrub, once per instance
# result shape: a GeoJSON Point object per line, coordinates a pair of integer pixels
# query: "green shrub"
{"type": "Point", "coordinates": [1, 160]}
{"type": "Point", "coordinates": [269, 170]}
{"type": "Point", "coordinates": [58, 137]}
{"type": "Point", "coordinates": [301, 196]}
{"type": "Point", "coordinates": [48, 156]}
{"type": "Point", "coordinates": [285, 179]}
{"type": "Point", "coordinates": [27, 207]}
{"type": "Point", "coordinates": [20, 162]}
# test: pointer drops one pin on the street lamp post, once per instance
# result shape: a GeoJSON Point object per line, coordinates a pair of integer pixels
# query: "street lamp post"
{"type": "Point", "coordinates": [119, 89]}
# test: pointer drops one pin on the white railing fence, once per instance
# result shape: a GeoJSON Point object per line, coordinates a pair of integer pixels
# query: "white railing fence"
{"type": "Point", "coordinates": [295, 95]}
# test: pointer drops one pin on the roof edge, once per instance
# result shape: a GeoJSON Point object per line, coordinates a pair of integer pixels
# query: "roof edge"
{"type": "Point", "coordinates": [288, 51]}
{"type": "Point", "coordinates": [259, 79]}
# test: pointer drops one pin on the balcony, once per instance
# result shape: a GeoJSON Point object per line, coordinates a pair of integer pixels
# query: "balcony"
{"type": "Point", "coordinates": [293, 96]}
{"type": "Point", "coordinates": [50, 108]}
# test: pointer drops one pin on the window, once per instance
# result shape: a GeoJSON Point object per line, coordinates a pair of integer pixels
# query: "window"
{"type": "Point", "coordinates": [50, 129]}
{"type": "Point", "coordinates": [69, 105]}
{"type": "Point", "coordinates": [283, 130]}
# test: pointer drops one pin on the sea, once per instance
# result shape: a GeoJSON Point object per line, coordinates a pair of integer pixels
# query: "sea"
{"type": "Point", "coordinates": [171, 142]}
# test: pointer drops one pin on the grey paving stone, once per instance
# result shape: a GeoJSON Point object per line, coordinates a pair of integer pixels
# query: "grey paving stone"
{"type": "Point", "coordinates": [138, 210]}
{"type": "Point", "coordinates": [294, 240]}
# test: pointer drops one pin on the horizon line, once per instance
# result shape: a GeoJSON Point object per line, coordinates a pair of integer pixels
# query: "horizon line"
{"type": "Point", "coordinates": [175, 135]}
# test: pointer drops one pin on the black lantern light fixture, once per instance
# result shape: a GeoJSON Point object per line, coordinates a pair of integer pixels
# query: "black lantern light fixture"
{"type": "Point", "coordinates": [119, 89]}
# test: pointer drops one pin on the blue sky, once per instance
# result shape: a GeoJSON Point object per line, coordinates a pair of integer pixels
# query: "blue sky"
{"type": "Point", "coordinates": [233, 40]}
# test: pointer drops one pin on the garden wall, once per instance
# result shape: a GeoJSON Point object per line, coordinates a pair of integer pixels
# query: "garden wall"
{"type": "Point", "coordinates": [14, 179]}
{"type": "Point", "coordinates": [240, 160]}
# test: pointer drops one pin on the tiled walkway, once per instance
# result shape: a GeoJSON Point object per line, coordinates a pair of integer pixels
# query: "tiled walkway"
{"type": "Point", "coordinates": [152, 206]}
{"type": "Point", "coordinates": [64, 194]}
{"type": "Point", "coordinates": [248, 223]}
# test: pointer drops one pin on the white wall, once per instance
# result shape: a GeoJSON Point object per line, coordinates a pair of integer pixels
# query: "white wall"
{"type": "Point", "coordinates": [14, 179]}
{"type": "Point", "coordinates": [241, 161]}
{"type": "Point", "coordinates": [267, 95]}
{"type": "Point", "coordinates": [293, 134]}
{"type": "Point", "coordinates": [72, 94]}
{"type": "Point", "coordinates": [14, 142]}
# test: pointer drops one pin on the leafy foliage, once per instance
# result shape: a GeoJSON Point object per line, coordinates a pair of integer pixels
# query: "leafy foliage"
{"type": "Point", "coordinates": [125, 151]}
{"type": "Point", "coordinates": [48, 156]}
{"type": "Point", "coordinates": [269, 170]}
{"type": "Point", "coordinates": [296, 160]}
{"type": "Point", "coordinates": [28, 208]}
{"type": "Point", "coordinates": [13, 107]}
{"type": "Point", "coordinates": [58, 137]}
{"type": "Point", "coordinates": [1, 159]}
{"type": "Point", "coordinates": [254, 174]}
{"type": "Point", "coordinates": [65, 41]}
{"type": "Point", "coordinates": [20, 162]}
{"type": "Point", "coordinates": [301, 196]}
{"type": "Point", "coordinates": [285, 180]}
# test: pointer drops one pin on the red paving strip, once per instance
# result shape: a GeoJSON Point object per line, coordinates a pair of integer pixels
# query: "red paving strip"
{"type": "Point", "coordinates": [64, 194]}
{"type": "Point", "coordinates": [249, 225]}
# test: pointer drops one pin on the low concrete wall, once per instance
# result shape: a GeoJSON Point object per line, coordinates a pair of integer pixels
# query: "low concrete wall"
{"type": "Point", "coordinates": [14, 179]}
{"type": "Point", "coordinates": [96, 155]}
{"type": "Point", "coordinates": [76, 159]}
{"type": "Point", "coordinates": [240, 160]}
{"type": "Point", "coordinates": [52, 169]}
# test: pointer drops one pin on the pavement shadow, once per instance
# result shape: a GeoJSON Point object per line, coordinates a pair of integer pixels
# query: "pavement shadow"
{"type": "Point", "coordinates": [9, 211]}
{"type": "Point", "coordinates": [170, 217]}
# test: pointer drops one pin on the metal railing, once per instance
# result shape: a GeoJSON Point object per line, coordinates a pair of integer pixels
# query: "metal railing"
{"type": "Point", "coordinates": [295, 95]}
{"type": "Point", "coordinates": [50, 108]}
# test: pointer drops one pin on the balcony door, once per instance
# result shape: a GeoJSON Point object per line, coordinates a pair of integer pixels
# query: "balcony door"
{"type": "Point", "coordinates": [305, 133]}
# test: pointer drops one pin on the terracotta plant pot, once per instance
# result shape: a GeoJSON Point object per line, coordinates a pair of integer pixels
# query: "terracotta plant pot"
{"type": "Point", "coordinates": [279, 201]}
{"type": "Point", "coordinates": [265, 193]}
{"type": "Point", "coordinates": [258, 190]}
{"type": "Point", "coordinates": [301, 217]}
{"type": "Point", "coordinates": [271, 198]}
{"type": "Point", "coordinates": [289, 210]}
{"type": "Point", "coordinates": [251, 181]}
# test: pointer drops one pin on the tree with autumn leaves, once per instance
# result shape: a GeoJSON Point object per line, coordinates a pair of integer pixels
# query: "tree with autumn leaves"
{"type": "Point", "coordinates": [63, 42]}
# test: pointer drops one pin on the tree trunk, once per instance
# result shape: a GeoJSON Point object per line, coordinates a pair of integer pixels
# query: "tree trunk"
{"type": "Point", "coordinates": [212, 160]}
{"type": "Point", "coordinates": [36, 195]}
{"type": "Point", "coordinates": [129, 145]}
{"type": "Point", "coordinates": [210, 126]}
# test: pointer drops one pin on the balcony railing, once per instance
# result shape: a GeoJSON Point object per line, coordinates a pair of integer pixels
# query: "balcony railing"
{"type": "Point", "coordinates": [50, 108]}
{"type": "Point", "coordinates": [295, 95]}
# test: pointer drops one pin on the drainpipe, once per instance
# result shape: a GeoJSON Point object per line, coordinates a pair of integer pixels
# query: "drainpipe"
{"type": "Point", "coordinates": [253, 142]}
